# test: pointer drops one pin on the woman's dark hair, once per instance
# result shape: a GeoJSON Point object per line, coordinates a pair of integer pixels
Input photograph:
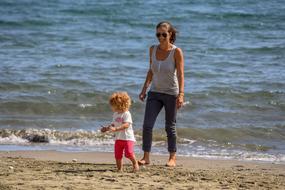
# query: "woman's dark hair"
{"type": "Point", "coordinates": [170, 28]}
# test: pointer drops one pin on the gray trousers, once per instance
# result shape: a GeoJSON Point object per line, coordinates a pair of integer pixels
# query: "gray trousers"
{"type": "Point", "coordinates": [155, 102]}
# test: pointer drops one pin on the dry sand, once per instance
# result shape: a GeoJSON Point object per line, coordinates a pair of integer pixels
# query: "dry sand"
{"type": "Point", "coordinates": [61, 170]}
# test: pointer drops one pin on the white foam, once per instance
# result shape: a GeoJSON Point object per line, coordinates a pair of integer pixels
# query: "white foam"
{"type": "Point", "coordinates": [187, 141]}
{"type": "Point", "coordinates": [85, 105]}
{"type": "Point", "coordinates": [12, 139]}
{"type": "Point", "coordinates": [95, 140]}
{"type": "Point", "coordinates": [82, 142]}
{"type": "Point", "coordinates": [186, 103]}
{"type": "Point", "coordinates": [201, 152]}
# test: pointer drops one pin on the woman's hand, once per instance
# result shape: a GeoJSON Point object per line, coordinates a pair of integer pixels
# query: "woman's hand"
{"type": "Point", "coordinates": [142, 95]}
{"type": "Point", "coordinates": [179, 101]}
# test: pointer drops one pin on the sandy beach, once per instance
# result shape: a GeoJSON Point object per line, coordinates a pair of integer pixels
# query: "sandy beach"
{"type": "Point", "coordinates": [92, 170]}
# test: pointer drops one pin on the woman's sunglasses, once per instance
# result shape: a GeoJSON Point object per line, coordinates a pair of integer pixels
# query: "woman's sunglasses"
{"type": "Point", "coordinates": [161, 34]}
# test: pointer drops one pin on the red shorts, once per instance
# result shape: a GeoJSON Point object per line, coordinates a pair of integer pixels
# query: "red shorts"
{"type": "Point", "coordinates": [124, 145]}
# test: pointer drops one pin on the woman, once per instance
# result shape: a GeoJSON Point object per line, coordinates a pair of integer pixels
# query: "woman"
{"type": "Point", "coordinates": [166, 76]}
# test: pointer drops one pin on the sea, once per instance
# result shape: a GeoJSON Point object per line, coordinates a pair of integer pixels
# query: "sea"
{"type": "Point", "coordinates": [60, 60]}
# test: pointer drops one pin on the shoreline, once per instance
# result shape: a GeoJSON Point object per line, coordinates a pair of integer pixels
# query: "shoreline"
{"type": "Point", "coordinates": [89, 170]}
{"type": "Point", "coordinates": [86, 157]}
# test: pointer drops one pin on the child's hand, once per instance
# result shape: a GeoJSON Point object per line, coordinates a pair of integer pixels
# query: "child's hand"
{"type": "Point", "coordinates": [112, 129]}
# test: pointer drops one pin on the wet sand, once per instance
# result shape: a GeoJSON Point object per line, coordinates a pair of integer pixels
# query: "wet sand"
{"type": "Point", "coordinates": [92, 170]}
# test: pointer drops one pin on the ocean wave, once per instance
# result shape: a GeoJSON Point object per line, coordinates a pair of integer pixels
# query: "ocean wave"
{"type": "Point", "coordinates": [225, 135]}
{"type": "Point", "coordinates": [219, 92]}
{"type": "Point", "coordinates": [206, 143]}
{"type": "Point", "coordinates": [77, 137]}
{"type": "Point", "coordinates": [230, 99]}
{"type": "Point", "coordinates": [51, 108]}
{"type": "Point", "coordinates": [237, 155]}
{"type": "Point", "coordinates": [74, 106]}
{"type": "Point", "coordinates": [95, 11]}
{"type": "Point", "coordinates": [25, 23]}
{"type": "Point", "coordinates": [249, 49]}
{"type": "Point", "coordinates": [23, 86]}
{"type": "Point", "coordinates": [234, 15]}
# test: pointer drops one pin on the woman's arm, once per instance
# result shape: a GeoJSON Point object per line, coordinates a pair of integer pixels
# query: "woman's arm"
{"type": "Point", "coordinates": [148, 77]}
{"type": "Point", "coordinates": [179, 62]}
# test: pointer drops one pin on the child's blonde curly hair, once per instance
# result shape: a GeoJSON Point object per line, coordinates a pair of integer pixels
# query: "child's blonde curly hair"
{"type": "Point", "coordinates": [121, 101]}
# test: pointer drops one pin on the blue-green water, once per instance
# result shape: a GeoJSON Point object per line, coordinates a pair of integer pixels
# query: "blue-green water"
{"type": "Point", "coordinates": [60, 61]}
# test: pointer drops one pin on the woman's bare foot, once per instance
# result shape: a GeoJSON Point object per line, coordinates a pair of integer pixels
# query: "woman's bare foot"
{"type": "Point", "coordinates": [145, 160]}
{"type": "Point", "coordinates": [171, 163]}
{"type": "Point", "coordinates": [172, 160]}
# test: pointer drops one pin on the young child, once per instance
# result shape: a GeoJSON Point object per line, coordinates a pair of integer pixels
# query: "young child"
{"type": "Point", "coordinates": [120, 103]}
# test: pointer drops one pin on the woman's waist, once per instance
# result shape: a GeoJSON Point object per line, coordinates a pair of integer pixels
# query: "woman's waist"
{"type": "Point", "coordinates": [165, 81]}
{"type": "Point", "coordinates": [170, 91]}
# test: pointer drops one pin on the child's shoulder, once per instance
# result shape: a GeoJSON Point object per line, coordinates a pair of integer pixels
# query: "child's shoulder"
{"type": "Point", "coordinates": [127, 114]}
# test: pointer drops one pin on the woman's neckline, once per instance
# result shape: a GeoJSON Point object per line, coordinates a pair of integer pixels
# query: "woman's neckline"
{"type": "Point", "coordinates": [157, 47]}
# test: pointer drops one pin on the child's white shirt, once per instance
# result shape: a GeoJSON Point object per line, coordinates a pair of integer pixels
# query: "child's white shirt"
{"type": "Point", "coordinates": [118, 120]}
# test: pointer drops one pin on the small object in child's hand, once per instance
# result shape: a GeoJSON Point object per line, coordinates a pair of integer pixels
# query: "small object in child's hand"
{"type": "Point", "coordinates": [104, 129]}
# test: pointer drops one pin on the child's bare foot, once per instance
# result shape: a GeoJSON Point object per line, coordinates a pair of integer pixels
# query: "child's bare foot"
{"type": "Point", "coordinates": [119, 170]}
{"type": "Point", "coordinates": [136, 168]}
